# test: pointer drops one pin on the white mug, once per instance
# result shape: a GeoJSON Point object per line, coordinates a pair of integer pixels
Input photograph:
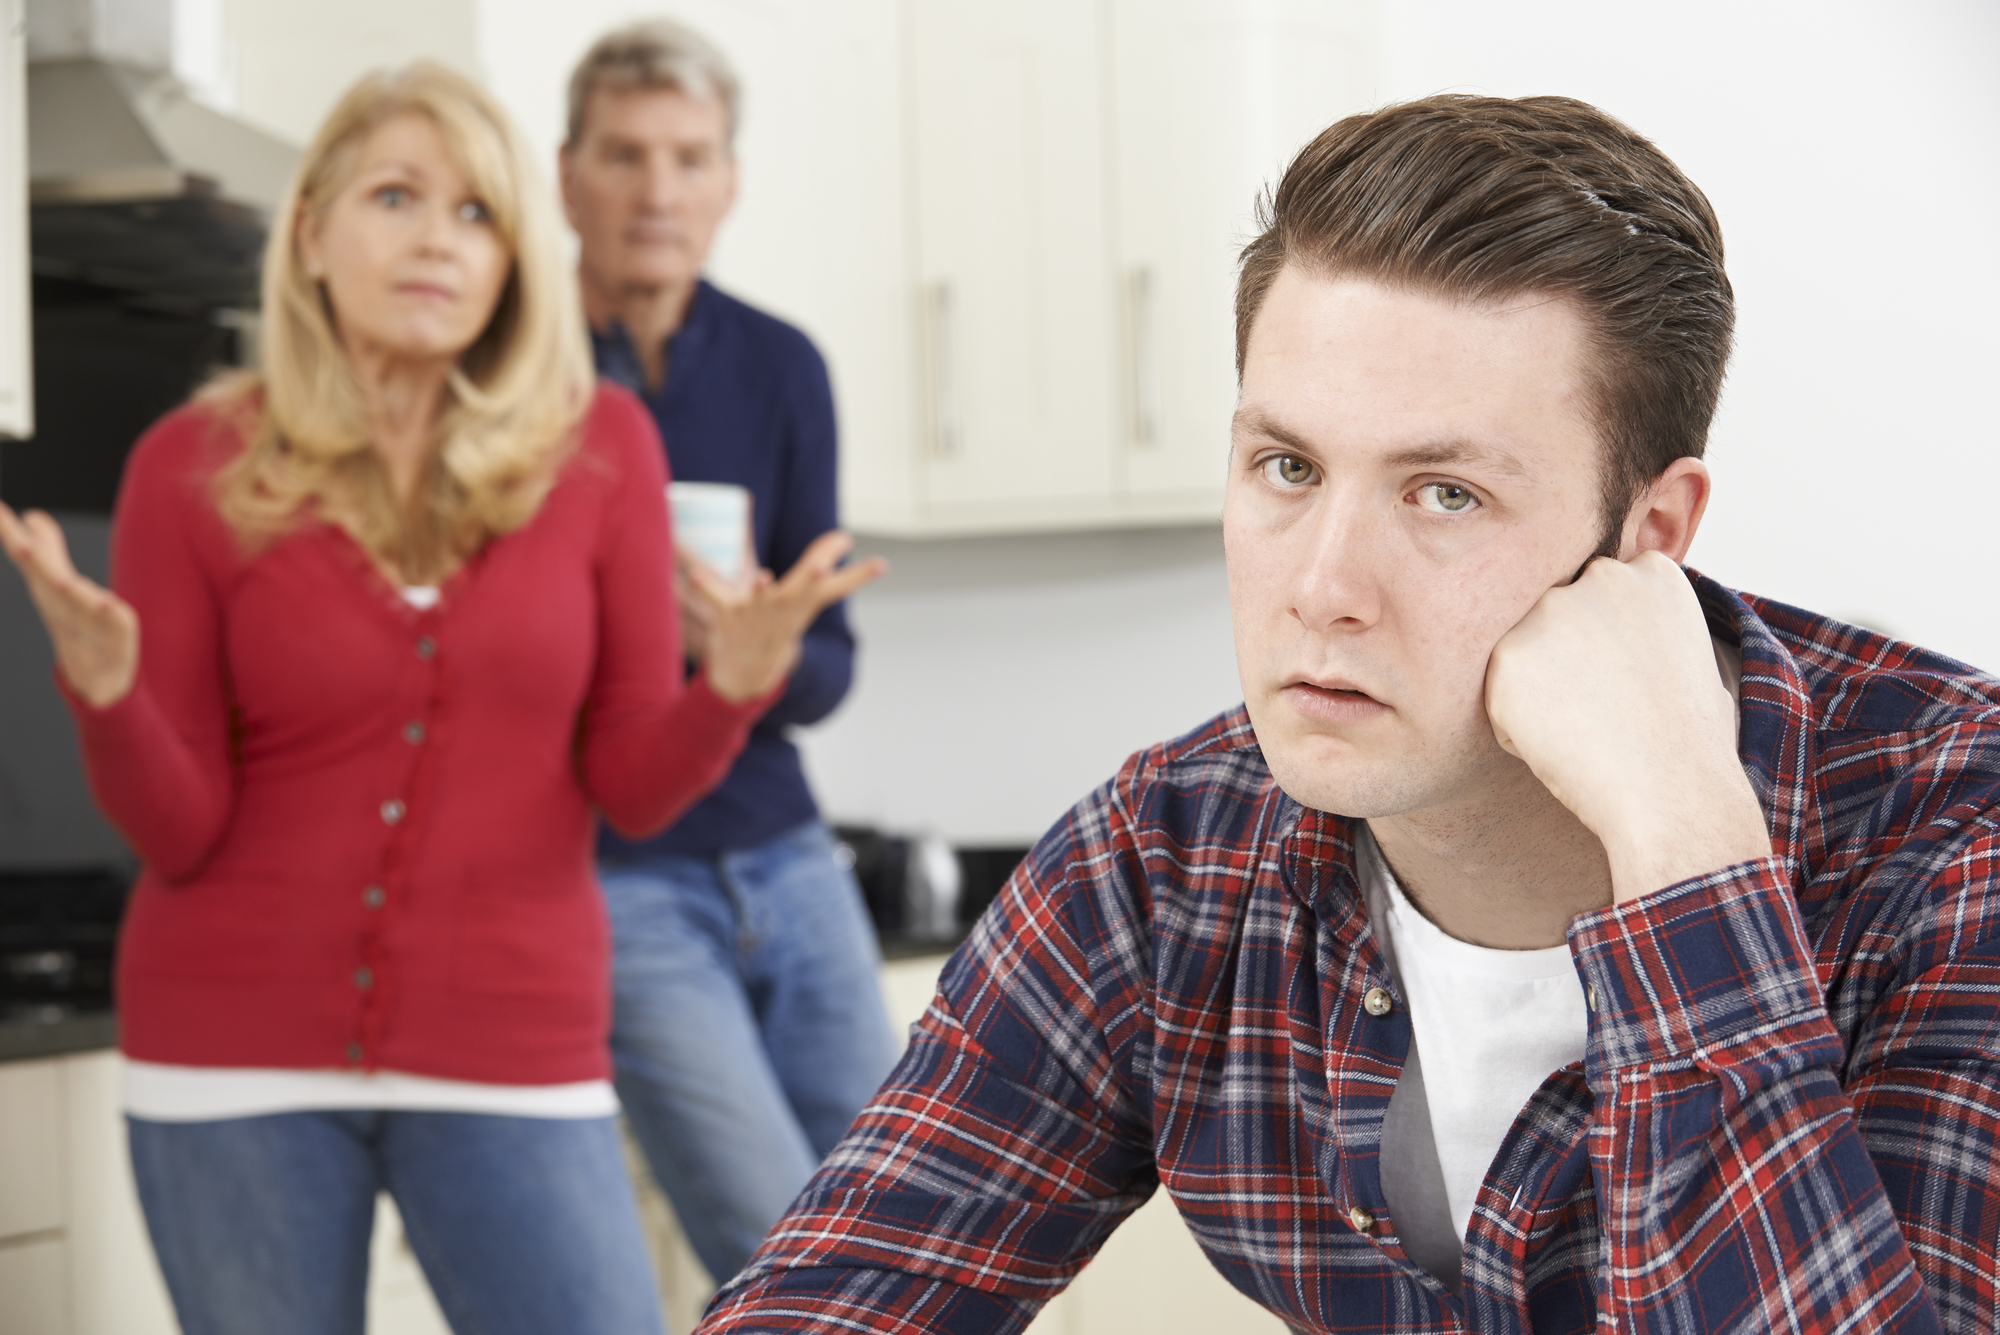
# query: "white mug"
{"type": "Point", "coordinates": [712, 519]}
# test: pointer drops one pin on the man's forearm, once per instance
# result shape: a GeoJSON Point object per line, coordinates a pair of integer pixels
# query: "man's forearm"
{"type": "Point", "coordinates": [1734, 1189]}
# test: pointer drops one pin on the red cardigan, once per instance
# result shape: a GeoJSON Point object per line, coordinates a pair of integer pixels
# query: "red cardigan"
{"type": "Point", "coordinates": [367, 829]}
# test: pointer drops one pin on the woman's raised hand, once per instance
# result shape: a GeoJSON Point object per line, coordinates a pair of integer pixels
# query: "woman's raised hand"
{"type": "Point", "coordinates": [96, 632]}
{"type": "Point", "coordinates": [753, 640]}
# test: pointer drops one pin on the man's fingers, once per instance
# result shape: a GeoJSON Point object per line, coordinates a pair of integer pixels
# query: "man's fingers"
{"type": "Point", "coordinates": [847, 579]}
{"type": "Point", "coordinates": [823, 554]}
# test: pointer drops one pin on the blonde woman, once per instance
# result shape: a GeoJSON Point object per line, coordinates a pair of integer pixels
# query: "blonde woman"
{"type": "Point", "coordinates": [394, 619]}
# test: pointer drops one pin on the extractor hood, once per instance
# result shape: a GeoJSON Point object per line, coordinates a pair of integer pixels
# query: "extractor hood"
{"type": "Point", "coordinates": [135, 187]}
{"type": "Point", "coordinates": [104, 132]}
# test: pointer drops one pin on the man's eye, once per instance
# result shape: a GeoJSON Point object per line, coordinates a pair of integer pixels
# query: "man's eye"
{"type": "Point", "coordinates": [1288, 470]}
{"type": "Point", "coordinates": [1446, 498]}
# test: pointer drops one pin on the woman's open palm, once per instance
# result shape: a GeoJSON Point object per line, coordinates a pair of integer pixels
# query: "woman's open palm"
{"type": "Point", "coordinates": [96, 633]}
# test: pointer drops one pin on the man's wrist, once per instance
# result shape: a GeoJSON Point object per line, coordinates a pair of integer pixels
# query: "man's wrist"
{"type": "Point", "coordinates": [1665, 838]}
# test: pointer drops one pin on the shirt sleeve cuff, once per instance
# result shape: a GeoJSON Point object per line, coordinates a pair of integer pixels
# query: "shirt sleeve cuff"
{"type": "Point", "coordinates": [1716, 961]}
{"type": "Point", "coordinates": [744, 713]}
{"type": "Point", "coordinates": [109, 726]}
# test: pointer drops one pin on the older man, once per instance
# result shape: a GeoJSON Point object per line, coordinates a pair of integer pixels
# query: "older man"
{"type": "Point", "coordinates": [1556, 940]}
{"type": "Point", "coordinates": [748, 1028]}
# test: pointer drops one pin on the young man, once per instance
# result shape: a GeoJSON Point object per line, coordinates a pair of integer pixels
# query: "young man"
{"type": "Point", "coordinates": [1551, 943]}
{"type": "Point", "coordinates": [748, 1026]}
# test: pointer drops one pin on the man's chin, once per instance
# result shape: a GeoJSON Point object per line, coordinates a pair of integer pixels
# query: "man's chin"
{"type": "Point", "coordinates": [1332, 774]}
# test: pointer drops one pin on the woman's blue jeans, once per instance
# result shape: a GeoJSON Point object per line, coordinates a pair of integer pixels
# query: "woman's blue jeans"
{"type": "Point", "coordinates": [523, 1225]}
{"type": "Point", "coordinates": [748, 1027]}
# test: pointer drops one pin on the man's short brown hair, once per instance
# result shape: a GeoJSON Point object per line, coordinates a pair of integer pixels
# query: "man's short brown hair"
{"type": "Point", "coordinates": [1484, 198]}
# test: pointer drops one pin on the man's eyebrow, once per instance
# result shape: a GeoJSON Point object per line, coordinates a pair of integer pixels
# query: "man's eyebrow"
{"type": "Point", "coordinates": [1453, 453]}
{"type": "Point", "coordinates": [1263, 424]}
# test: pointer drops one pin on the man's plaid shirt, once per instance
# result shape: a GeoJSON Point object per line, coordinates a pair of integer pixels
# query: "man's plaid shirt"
{"type": "Point", "coordinates": [1787, 1118]}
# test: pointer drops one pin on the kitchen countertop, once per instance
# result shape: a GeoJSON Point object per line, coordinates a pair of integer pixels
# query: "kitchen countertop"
{"type": "Point", "coordinates": [55, 1031]}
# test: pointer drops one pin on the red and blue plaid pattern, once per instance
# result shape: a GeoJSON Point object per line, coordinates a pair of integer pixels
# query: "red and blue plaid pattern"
{"type": "Point", "coordinates": [1787, 1119]}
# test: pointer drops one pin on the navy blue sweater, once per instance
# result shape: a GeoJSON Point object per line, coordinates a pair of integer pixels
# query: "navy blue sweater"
{"type": "Point", "coordinates": [746, 400]}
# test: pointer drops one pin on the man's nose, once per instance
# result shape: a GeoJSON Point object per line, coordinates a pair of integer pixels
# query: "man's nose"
{"type": "Point", "coordinates": [660, 188]}
{"type": "Point", "coordinates": [1338, 584]}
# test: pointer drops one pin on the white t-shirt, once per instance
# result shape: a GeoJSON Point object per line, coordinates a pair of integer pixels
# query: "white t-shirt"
{"type": "Point", "coordinates": [165, 1092]}
{"type": "Point", "coordinates": [1490, 1026]}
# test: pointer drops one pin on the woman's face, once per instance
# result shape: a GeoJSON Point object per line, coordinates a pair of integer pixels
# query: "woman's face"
{"type": "Point", "coordinates": [406, 252]}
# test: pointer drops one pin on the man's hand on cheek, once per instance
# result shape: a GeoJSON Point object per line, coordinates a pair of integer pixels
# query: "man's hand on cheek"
{"type": "Point", "coordinates": [1608, 690]}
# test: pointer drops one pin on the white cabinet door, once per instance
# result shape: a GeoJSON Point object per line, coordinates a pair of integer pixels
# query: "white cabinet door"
{"type": "Point", "coordinates": [34, 1288]}
{"type": "Point", "coordinates": [116, 1287]}
{"type": "Point", "coordinates": [1013, 285]}
{"type": "Point", "coordinates": [1208, 100]}
{"type": "Point", "coordinates": [31, 1149]}
{"type": "Point", "coordinates": [17, 402]}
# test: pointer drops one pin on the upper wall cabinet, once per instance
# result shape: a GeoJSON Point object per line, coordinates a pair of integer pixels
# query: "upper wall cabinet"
{"type": "Point", "coordinates": [1080, 179]}
{"type": "Point", "coordinates": [1007, 159]}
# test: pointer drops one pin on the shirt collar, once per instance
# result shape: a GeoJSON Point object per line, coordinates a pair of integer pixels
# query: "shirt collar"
{"type": "Point", "coordinates": [617, 356]}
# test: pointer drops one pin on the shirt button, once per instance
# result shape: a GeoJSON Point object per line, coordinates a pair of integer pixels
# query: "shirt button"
{"type": "Point", "coordinates": [354, 1052]}
{"type": "Point", "coordinates": [413, 732]}
{"type": "Point", "coordinates": [392, 811]}
{"type": "Point", "coordinates": [364, 978]}
{"type": "Point", "coordinates": [1378, 1003]}
{"type": "Point", "coordinates": [426, 647]}
{"type": "Point", "coordinates": [1590, 997]}
{"type": "Point", "coordinates": [1361, 1219]}
{"type": "Point", "coordinates": [374, 896]}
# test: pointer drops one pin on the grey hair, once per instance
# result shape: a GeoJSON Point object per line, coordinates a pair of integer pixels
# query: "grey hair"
{"type": "Point", "coordinates": [655, 53]}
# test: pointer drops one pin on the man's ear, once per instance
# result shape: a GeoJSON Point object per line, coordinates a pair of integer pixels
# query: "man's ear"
{"type": "Point", "coordinates": [1668, 512]}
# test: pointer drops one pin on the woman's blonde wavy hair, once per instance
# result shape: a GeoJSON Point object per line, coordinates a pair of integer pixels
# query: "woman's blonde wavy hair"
{"type": "Point", "coordinates": [512, 402]}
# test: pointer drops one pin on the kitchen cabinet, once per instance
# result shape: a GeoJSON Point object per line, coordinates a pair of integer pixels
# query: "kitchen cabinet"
{"type": "Point", "coordinates": [1011, 271]}
{"type": "Point", "coordinates": [74, 1256]}
{"type": "Point", "coordinates": [1080, 178]}
{"type": "Point", "coordinates": [74, 1259]}
{"type": "Point", "coordinates": [17, 406]}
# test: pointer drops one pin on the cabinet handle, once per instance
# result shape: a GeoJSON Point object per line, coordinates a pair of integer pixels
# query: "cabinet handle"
{"type": "Point", "coordinates": [1141, 321]}
{"type": "Point", "coordinates": [947, 434]}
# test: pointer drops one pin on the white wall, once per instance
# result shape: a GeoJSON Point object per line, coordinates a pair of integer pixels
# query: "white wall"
{"type": "Point", "coordinates": [284, 63]}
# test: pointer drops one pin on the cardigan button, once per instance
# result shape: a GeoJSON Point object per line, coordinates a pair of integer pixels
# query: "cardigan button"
{"type": "Point", "coordinates": [392, 811]}
{"type": "Point", "coordinates": [426, 647]}
{"type": "Point", "coordinates": [374, 896]}
{"type": "Point", "coordinates": [364, 978]}
{"type": "Point", "coordinates": [354, 1052]}
{"type": "Point", "coordinates": [1362, 1220]}
{"type": "Point", "coordinates": [1378, 1003]}
{"type": "Point", "coordinates": [413, 732]}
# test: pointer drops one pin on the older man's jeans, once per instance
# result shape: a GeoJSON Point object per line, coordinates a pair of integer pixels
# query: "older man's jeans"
{"type": "Point", "coordinates": [748, 1027]}
{"type": "Point", "coordinates": [523, 1225]}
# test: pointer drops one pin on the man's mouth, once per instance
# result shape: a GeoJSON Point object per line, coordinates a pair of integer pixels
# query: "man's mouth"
{"type": "Point", "coordinates": [1332, 700]}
